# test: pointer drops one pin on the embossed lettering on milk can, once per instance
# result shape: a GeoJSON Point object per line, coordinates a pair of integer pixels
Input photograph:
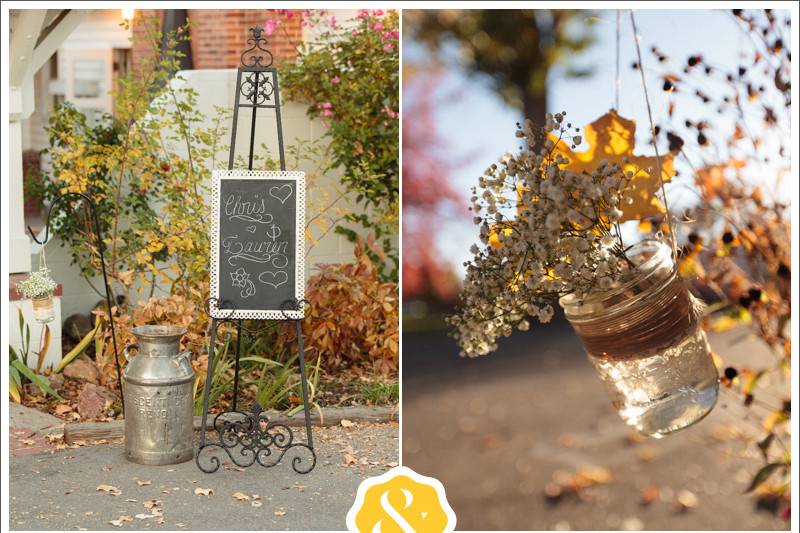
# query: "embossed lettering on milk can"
{"type": "Point", "coordinates": [158, 398]}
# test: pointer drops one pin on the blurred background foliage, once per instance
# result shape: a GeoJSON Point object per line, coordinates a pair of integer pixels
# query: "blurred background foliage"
{"type": "Point", "coordinates": [516, 52]}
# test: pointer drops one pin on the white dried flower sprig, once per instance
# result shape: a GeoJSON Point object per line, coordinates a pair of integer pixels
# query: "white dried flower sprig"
{"type": "Point", "coordinates": [544, 232]}
{"type": "Point", "coordinates": [38, 285]}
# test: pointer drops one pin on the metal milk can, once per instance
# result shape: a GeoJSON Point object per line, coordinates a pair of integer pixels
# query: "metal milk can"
{"type": "Point", "coordinates": [158, 398]}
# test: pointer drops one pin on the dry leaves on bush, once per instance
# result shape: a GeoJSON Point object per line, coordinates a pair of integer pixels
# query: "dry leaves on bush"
{"type": "Point", "coordinates": [354, 316]}
{"type": "Point", "coordinates": [174, 309]}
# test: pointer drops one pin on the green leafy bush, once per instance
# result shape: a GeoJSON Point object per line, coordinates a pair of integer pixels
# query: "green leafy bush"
{"type": "Point", "coordinates": [350, 78]}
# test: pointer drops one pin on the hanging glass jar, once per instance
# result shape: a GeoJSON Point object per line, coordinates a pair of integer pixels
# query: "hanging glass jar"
{"type": "Point", "coordinates": [39, 288]}
{"type": "Point", "coordinates": [645, 340]}
{"type": "Point", "coordinates": [43, 310]}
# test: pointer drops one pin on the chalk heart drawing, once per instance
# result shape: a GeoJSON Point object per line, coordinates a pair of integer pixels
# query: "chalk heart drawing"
{"type": "Point", "coordinates": [281, 193]}
{"type": "Point", "coordinates": [273, 279]}
{"type": "Point", "coordinates": [251, 229]}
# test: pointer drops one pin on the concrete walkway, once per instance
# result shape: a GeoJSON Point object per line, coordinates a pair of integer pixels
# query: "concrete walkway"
{"type": "Point", "coordinates": [59, 490]}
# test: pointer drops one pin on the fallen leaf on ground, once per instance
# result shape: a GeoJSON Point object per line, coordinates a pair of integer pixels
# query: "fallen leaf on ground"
{"type": "Point", "coordinates": [27, 442]}
{"type": "Point", "coordinates": [142, 516]}
{"type": "Point", "coordinates": [143, 483]}
{"type": "Point", "coordinates": [595, 475]}
{"type": "Point", "coordinates": [279, 513]}
{"type": "Point", "coordinates": [632, 523]}
{"type": "Point", "coordinates": [149, 504]}
{"type": "Point", "coordinates": [54, 437]}
{"type": "Point", "coordinates": [349, 460]}
{"type": "Point", "coordinates": [256, 503]}
{"type": "Point", "coordinates": [233, 468]}
{"type": "Point", "coordinates": [650, 494]}
{"type": "Point", "coordinates": [647, 453]}
{"type": "Point", "coordinates": [118, 522]}
{"type": "Point", "coordinates": [241, 496]}
{"type": "Point", "coordinates": [347, 423]}
{"type": "Point", "coordinates": [62, 409]}
{"type": "Point", "coordinates": [687, 499]}
{"type": "Point", "coordinates": [203, 492]}
{"type": "Point", "coordinates": [110, 489]}
{"type": "Point", "coordinates": [392, 464]}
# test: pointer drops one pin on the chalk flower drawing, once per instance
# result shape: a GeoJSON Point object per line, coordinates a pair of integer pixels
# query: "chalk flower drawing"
{"type": "Point", "coordinates": [240, 278]}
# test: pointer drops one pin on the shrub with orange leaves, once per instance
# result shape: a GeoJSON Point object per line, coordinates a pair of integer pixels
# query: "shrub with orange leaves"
{"type": "Point", "coordinates": [175, 310]}
{"type": "Point", "coordinates": [353, 318]}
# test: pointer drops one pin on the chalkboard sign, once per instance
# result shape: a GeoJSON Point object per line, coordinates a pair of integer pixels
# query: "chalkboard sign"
{"type": "Point", "coordinates": [257, 244]}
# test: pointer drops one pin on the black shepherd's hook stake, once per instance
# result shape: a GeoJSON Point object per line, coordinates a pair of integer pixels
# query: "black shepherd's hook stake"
{"type": "Point", "coordinates": [100, 248]}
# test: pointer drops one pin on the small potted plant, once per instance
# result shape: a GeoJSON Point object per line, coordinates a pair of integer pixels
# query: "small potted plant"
{"type": "Point", "coordinates": [39, 288]}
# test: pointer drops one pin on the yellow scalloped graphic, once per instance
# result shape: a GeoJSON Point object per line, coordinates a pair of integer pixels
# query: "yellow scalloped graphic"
{"type": "Point", "coordinates": [401, 501]}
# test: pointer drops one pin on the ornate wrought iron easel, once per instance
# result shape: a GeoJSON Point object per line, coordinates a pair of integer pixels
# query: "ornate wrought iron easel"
{"type": "Point", "coordinates": [248, 438]}
{"type": "Point", "coordinates": [89, 204]}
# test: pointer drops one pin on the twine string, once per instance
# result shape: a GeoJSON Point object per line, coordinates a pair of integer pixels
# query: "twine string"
{"type": "Point", "coordinates": [653, 133]}
{"type": "Point", "coordinates": [42, 259]}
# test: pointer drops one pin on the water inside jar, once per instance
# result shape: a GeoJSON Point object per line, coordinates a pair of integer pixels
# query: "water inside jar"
{"type": "Point", "coordinates": [664, 392]}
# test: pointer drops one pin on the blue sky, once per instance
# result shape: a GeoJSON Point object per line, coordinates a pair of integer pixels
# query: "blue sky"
{"type": "Point", "coordinates": [479, 127]}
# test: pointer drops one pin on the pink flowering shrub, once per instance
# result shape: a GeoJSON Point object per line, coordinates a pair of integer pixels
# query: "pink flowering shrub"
{"type": "Point", "coordinates": [350, 78]}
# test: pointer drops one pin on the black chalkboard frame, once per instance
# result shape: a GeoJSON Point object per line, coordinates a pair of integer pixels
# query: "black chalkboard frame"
{"type": "Point", "coordinates": [288, 312]}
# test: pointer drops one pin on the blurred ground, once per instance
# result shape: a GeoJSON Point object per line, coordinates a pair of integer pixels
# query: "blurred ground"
{"type": "Point", "coordinates": [503, 433]}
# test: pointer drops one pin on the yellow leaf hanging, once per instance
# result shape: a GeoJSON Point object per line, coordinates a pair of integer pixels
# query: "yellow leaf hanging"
{"type": "Point", "coordinates": [494, 234]}
{"type": "Point", "coordinates": [612, 138]}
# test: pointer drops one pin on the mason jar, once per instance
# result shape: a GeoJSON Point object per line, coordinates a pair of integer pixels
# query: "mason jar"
{"type": "Point", "coordinates": [43, 310]}
{"type": "Point", "coordinates": [645, 340]}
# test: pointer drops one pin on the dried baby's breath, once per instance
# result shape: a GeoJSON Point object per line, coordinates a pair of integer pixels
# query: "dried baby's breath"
{"type": "Point", "coordinates": [545, 232]}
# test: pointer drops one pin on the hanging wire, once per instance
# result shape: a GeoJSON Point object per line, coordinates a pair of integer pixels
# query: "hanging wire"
{"type": "Point", "coordinates": [655, 142]}
{"type": "Point", "coordinates": [616, 77]}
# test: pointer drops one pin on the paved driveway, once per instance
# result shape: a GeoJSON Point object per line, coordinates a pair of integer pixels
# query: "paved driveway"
{"type": "Point", "coordinates": [58, 491]}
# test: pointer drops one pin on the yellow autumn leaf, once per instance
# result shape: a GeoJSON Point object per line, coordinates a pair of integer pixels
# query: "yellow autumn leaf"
{"type": "Point", "coordinates": [126, 277]}
{"type": "Point", "coordinates": [155, 246]}
{"type": "Point", "coordinates": [612, 138]}
{"type": "Point", "coordinates": [142, 257]}
{"type": "Point", "coordinates": [494, 234]}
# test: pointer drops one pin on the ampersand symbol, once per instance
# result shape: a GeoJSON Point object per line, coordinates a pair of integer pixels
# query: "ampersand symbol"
{"type": "Point", "coordinates": [405, 502]}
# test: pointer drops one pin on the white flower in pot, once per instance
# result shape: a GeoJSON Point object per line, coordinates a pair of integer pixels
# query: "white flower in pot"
{"type": "Point", "coordinates": [39, 288]}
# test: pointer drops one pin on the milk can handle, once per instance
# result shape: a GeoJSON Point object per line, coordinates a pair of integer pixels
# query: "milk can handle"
{"type": "Point", "coordinates": [186, 354]}
{"type": "Point", "coordinates": [128, 347]}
